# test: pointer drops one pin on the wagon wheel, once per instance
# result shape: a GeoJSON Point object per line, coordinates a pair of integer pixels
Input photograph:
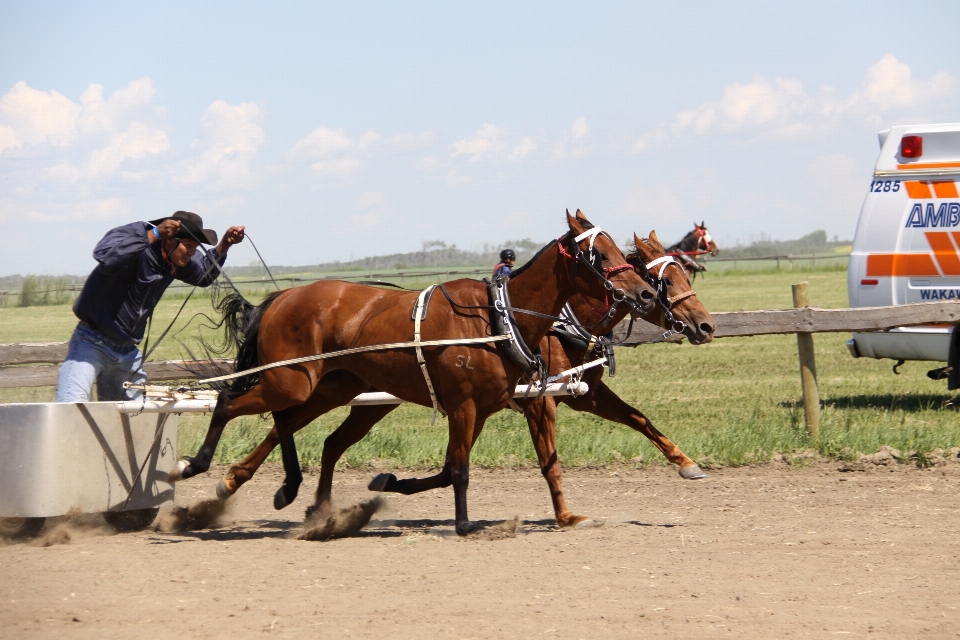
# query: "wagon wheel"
{"type": "Point", "coordinates": [133, 520]}
{"type": "Point", "coordinates": [20, 527]}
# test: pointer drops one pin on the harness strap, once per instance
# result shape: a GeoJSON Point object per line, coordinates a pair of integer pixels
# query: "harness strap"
{"type": "Point", "coordinates": [348, 352]}
{"type": "Point", "coordinates": [420, 310]}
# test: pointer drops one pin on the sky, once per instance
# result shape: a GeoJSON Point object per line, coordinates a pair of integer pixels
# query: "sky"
{"type": "Point", "coordinates": [336, 131]}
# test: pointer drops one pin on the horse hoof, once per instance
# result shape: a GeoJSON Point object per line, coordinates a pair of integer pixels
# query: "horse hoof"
{"type": "Point", "coordinates": [223, 492]}
{"type": "Point", "coordinates": [381, 481]}
{"type": "Point", "coordinates": [692, 473]}
{"type": "Point", "coordinates": [179, 471]}
{"type": "Point", "coordinates": [283, 497]}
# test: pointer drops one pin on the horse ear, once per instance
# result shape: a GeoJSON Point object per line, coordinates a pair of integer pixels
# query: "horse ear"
{"type": "Point", "coordinates": [695, 225]}
{"type": "Point", "coordinates": [703, 224]}
{"type": "Point", "coordinates": [638, 242]}
{"type": "Point", "coordinates": [580, 215]}
{"type": "Point", "coordinates": [653, 236]}
{"type": "Point", "coordinates": [574, 224]}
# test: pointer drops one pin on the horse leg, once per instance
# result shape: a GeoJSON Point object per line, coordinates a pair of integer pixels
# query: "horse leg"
{"type": "Point", "coordinates": [541, 415]}
{"type": "Point", "coordinates": [464, 427]}
{"type": "Point", "coordinates": [351, 431]}
{"type": "Point", "coordinates": [228, 407]}
{"type": "Point", "coordinates": [388, 483]}
{"type": "Point", "coordinates": [603, 402]}
{"type": "Point", "coordinates": [287, 492]}
{"type": "Point", "coordinates": [334, 390]}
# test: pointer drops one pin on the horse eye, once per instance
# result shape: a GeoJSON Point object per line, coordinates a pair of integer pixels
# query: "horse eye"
{"type": "Point", "coordinates": [603, 257]}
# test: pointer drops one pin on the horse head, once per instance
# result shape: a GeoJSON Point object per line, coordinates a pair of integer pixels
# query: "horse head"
{"type": "Point", "coordinates": [597, 268]}
{"type": "Point", "coordinates": [677, 301]}
{"type": "Point", "coordinates": [704, 239]}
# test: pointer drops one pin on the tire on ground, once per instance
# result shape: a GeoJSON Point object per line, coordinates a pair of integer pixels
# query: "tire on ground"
{"type": "Point", "coordinates": [14, 528]}
{"type": "Point", "coordinates": [133, 520]}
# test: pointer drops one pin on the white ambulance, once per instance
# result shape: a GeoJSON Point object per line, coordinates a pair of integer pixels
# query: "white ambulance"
{"type": "Point", "coordinates": [907, 245]}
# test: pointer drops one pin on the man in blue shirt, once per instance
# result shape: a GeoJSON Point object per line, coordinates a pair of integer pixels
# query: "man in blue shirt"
{"type": "Point", "coordinates": [505, 266]}
{"type": "Point", "coordinates": [136, 264]}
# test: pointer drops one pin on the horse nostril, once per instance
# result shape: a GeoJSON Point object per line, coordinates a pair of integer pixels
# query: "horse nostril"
{"type": "Point", "coordinates": [707, 328]}
{"type": "Point", "coordinates": [647, 296]}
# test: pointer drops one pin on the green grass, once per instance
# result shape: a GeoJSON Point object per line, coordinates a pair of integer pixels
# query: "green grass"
{"type": "Point", "coordinates": [735, 401]}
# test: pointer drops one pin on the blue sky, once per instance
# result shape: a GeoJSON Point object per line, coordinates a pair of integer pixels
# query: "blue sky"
{"type": "Point", "coordinates": [343, 130]}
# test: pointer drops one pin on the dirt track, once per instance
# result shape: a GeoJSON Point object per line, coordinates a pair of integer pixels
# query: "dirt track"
{"type": "Point", "coordinates": [761, 552]}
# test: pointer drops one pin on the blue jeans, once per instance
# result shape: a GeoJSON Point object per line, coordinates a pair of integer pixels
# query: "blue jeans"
{"type": "Point", "coordinates": [93, 358]}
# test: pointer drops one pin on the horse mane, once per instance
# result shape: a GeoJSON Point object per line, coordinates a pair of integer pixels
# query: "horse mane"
{"type": "Point", "coordinates": [526, 265]}
{"type": "Point", "coordinates": [515, 272]}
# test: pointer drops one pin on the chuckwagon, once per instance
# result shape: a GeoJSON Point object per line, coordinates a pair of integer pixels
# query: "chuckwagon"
{"type": "Point", "coordinates": [91, 457]}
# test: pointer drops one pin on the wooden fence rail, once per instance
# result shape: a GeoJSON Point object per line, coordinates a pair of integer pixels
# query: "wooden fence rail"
{"type": "Point", "coordinates": [36, 365]}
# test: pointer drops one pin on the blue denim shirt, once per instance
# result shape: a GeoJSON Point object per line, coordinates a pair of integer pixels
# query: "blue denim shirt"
{"type": "Point", "coordinates": [130, 277]}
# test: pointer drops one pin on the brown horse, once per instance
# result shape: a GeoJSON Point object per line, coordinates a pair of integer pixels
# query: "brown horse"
{"type": "Point", "coordinates": [563, 353]}
{"type": "Point", "coordinates": [678, 303]}
{"type": "Point", "coordinates": [696, 243]}
{"type": "Point", "coordinates": [331, 316]}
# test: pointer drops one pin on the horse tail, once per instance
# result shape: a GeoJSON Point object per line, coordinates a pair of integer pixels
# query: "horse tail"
{"type": "Point", "coordinates": [241, 327]}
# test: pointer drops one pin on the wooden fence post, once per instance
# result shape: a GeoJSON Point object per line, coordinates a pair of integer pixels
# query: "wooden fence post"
{"type": "Point", "coordinates": [808, 367]}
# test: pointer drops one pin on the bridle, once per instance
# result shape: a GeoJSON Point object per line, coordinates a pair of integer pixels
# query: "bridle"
{"type": "Point", "coordinates": [703, 238]}
{"type": "Point", "coordinates": [667, 303]}
{"type": "Point", "coordinates": [593, 262]}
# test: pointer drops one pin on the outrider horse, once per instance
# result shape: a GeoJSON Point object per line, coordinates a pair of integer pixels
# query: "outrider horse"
{"type": "Point", "coordinates": [562, 350]}
{"type": "Point", "coordinates": [332, 316]}
{"type": "Point", "coordinates": [696, 243]}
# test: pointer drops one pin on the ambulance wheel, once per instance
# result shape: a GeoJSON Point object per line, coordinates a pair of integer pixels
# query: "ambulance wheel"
{"type": "Point", "coordinates": [14, 528]}
{"type": "Point", "coordinates": [134, 520]}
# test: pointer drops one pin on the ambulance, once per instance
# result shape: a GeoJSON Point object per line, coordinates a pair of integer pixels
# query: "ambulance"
{"type": "Point", "coordinates": [907, 245]}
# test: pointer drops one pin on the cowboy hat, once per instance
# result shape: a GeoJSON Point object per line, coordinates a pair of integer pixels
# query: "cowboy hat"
{"type": "Point", "coordinates": [191, 227]}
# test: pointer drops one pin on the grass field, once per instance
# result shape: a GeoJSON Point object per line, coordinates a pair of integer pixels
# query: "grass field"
{"type": "Point", "coordinates": [735, 401]}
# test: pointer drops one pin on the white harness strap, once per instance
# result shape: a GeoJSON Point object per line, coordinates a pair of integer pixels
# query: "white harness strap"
{"type": "Point", "coordinates": [589, 233]}
{"type": "Point", "coordinates": [418, 310]}
{"type": "Point", "coordinates": [665, 261]}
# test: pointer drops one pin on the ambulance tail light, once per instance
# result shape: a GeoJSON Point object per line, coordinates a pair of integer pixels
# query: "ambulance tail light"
{"type": "Point", "coordinates": [870, 282]}
{"type": "Point", "coordinates": [911, 146]}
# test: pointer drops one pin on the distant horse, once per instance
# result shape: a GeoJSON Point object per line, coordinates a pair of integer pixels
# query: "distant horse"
{"type": "Point", "coordinates": [562, 351]}
{"type": "Point", "coordinates": [331, 316]}
{"type": "Point", "coordinates": [696, 243]}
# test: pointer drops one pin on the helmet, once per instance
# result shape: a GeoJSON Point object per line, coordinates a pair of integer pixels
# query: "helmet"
{"type": "Point", "coordinates": [507, 254]}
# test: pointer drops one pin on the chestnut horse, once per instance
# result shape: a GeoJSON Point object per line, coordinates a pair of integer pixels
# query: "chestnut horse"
{"type": "Point", "coordinates": [562, 354]}
{"type": "Point", "coordinates": [696, 243]}
{"type": "Point", "coordinates": [331, 316]}
{"type": "Point", "coordinates": [675, 297]}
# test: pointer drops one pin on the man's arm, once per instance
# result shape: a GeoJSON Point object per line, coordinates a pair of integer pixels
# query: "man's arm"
{"type": "Point", "coordinates": [201, 271]}
{"type": "Point", "coordinates": [121, 245]}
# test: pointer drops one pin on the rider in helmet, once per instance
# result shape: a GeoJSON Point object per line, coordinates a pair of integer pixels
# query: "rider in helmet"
{"type": "Point", "coordinates": [507, 258]}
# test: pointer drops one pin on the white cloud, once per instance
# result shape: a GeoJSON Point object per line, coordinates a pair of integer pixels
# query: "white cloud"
{"type": "Point", "coordinates": [99, 115]}
{"type": "Point", "coordinates": [485, 144]}
{"type": "Point", "coordinates": [575, 143]}
{"type": "Point", "coordinates": [341, 168]}
{"type": "Point", "coordinates": [783, 109]}
{"type": "Point", "coordinates": [522, 150]}
{"type": "Point", "coordinates": [137, 141]}
{"type": "Point", "coordinates": [322, 143]}
{"type": "Point", "coordinates": [37, 116]}
{"type": "Point", "coordinates": [370, 199]}
{"type": "Point", "coordinates": [230, 141]}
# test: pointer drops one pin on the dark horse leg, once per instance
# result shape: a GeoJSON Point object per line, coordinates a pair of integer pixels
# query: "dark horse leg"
{"type": "Point", "coordinates": [463, 429]}
{"type": "Point", "coordinates": [334, 390]}
{"type": "Point", "coordinates": [229, 406]}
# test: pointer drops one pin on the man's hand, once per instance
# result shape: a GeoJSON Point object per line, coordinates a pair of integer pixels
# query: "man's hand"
{"type": "Point", "coordinates": [169, 228]}
{"type": "Point", "coordinates": [232, 236]}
